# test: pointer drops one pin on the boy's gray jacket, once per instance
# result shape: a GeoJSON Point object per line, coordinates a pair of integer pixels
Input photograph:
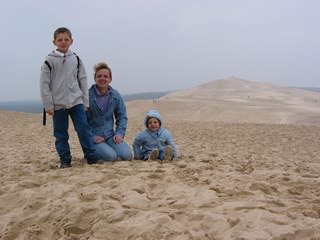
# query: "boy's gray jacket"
{"type": "Point", "coordinates": [148, 140]}
{"type": "Point", "coordinates": [65, 85]}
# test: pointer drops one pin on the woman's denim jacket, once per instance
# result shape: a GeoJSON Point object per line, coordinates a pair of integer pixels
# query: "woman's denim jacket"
{"type": "Point", "coordinates": [102, 124]}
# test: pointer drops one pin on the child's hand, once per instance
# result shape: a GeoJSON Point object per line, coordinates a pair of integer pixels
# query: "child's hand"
{"type": "Point", "coordinates": [98, 139]}
{"type": "Point", "coordinates": [50, 112]}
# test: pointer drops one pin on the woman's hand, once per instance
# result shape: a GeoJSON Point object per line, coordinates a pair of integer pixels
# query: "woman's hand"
{"type": "Point", "coordinates": [117, 139]}
{"type": "Point", "coordinates": [98, 139]}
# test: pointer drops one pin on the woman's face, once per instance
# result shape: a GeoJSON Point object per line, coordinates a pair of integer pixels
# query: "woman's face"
{"type": "Point", "coordinates": [102, 78]}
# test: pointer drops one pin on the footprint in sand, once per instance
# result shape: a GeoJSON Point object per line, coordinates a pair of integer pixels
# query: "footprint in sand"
{"type": "Point", "coordinates": [296, 190]}
{"type": "Point", "coordinates": [155, 176]}
{"type": "Point", "coordinates": [80, 220]}
{"type": "Point", "coordinates": [88, 195]}
{"type": "Point", "coordinates": [181, 164]}
{"type": "Point", "coordinates": [245, 168]}
{"type": "Point", "coordinates": [263, 187]}
{"type": "Point", "coordinates": [234, 221]}
{"type": "Point", "coordinates": [72, 228]}
{"type": "Point", "coordinates": [29, 184]}
{"type": "Point", "coordinates": [139, 189]}
{"type": "Point", "coordinates": [33, 206]}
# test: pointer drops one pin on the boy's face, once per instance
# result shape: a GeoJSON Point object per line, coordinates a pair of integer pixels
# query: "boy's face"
{"type": "Point", "coordinates": [63, 42]}
{"type": "Point", "coordinates": [153, 124]}
{"type": "Point", "coordinates": [102, 78]}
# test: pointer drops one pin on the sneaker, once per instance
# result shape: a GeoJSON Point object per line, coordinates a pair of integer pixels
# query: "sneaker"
{"type": "Point", "coordinates": [168, 152]}
{"type": "Point", "coordinates": [65, 165]}
{"type": "Point", "coordinates": [154, 154]}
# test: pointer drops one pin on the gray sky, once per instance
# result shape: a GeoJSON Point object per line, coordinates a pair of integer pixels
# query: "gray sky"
{"type": "Point", "coordinates": [160, 45]}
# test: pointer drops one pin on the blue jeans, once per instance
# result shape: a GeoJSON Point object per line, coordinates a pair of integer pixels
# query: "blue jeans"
{"type": "Point", "coordinates": [60, 131]}
{"type": "Point", "coordinates": [109, 151]}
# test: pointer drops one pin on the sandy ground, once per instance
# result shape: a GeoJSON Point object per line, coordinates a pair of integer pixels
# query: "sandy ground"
{"type": "Point", "coordinates": [233, 181]}
{"type": "Point", "coordinates": [249, 168]}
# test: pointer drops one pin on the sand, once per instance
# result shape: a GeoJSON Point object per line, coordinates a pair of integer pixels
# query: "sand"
{"type": "Point", "coordinates": [234, 180]}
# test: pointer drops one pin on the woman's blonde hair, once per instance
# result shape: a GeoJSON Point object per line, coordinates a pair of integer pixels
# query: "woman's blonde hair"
{"type": "Point", "coordinates": [102, 65]}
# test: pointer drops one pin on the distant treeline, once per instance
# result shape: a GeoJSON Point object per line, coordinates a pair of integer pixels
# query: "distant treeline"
{"type": "Point", "coordinates": [23, 106]}
{"type": "Point", "coordinates": [310, 89]}
{"type": "Point", "coordinates": [144, 96]}
{"type": "Point", "coordinates": [37, 107]}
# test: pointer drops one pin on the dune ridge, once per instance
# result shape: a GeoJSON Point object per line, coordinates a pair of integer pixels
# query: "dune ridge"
{"type": "Point", "coordinates": [236, 100]}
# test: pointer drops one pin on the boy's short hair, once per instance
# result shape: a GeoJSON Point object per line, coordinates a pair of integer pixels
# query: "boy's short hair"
{"type": "Point", "coordinates": [102, 65]}
{"type": "Point", "coordinates": [61, 30]}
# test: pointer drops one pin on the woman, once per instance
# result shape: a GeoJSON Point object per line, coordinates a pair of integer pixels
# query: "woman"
{"type": "Point", "coordinates": [106, 106]}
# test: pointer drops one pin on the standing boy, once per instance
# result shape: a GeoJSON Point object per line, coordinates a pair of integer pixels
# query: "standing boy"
{"type": "Point", "coordinates": [64, 92]}
{"type": "Point", "coordinates": [154, 142]}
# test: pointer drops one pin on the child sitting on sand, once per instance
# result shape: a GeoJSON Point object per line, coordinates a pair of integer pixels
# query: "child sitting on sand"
{"type": "Point", "coordinates": [154, 142]}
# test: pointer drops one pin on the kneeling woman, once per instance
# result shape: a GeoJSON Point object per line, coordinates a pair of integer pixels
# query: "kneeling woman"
{"type": "Point", "coordinates": [107, 117]}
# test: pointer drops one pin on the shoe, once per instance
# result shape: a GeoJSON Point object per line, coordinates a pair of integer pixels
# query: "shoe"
{"type": "Point", "coordinates": [154, 154]}
{"type": "Point", "coordinates": [168, 152]}
{"type": "Point", "coordinates": [94, 160]}
{"type": "Point", "coordinates": [65, 165]}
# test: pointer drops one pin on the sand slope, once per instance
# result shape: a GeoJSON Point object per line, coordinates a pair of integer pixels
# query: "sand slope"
{"type": "Point", "coordinates": [240, 175]}
{"type": "Point", "coordinates": [233, 181]}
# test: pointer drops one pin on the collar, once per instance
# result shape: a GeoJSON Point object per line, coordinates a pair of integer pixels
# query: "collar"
{"type": "Point", "coordinates": [152, 132]}
{"type": "Point", "coordinates": [98, 93]}
{"type": "Point", "coordinates": [60, 53]}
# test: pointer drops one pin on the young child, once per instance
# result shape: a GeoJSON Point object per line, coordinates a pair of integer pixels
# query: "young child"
{"type": "Point", "coordinates": [155, 142]}
{"type": "Point", "coordinates": [64, 92]}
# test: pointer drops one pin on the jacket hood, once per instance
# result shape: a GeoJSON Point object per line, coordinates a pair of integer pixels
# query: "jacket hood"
{"type": "Point", "coordinates": [152, 114]}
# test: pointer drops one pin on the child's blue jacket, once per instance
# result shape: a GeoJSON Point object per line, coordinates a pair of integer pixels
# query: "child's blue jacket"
{"type": "Point", "coordinates": [146, 140]}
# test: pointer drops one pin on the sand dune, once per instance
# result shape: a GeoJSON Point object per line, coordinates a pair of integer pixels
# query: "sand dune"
{"type": "Point", "coordinates": [237, 101]}
{"type": "Point", "coordinates": [236, 89]}
{"type": "Point", "coordinates": [234, 180]}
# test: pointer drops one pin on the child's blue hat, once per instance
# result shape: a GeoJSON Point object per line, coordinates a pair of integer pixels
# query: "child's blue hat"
{"type": "Point", "coordinates": [152, 114]}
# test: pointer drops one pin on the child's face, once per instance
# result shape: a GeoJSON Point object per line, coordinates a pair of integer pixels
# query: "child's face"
{"type": "Point", "coordinates": [63, 42]}
{"type": "Point", "coordinates": [153, 124]}
{"type": "Point", "coordinates": [102, 78]}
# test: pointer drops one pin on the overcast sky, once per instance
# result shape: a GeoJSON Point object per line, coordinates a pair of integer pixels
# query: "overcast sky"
{"type": "Point", "coordinates": [160, 45]}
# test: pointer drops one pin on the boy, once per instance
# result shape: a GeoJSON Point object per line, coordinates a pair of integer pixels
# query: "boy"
{"type": "Point", "coordinates": [64, 92]}
{"type": "Point", "coordinates": [155, 142]}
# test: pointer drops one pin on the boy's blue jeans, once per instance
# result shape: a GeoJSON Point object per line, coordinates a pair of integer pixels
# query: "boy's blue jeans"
{"type": "Point", "coordinates": [60, 131]}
